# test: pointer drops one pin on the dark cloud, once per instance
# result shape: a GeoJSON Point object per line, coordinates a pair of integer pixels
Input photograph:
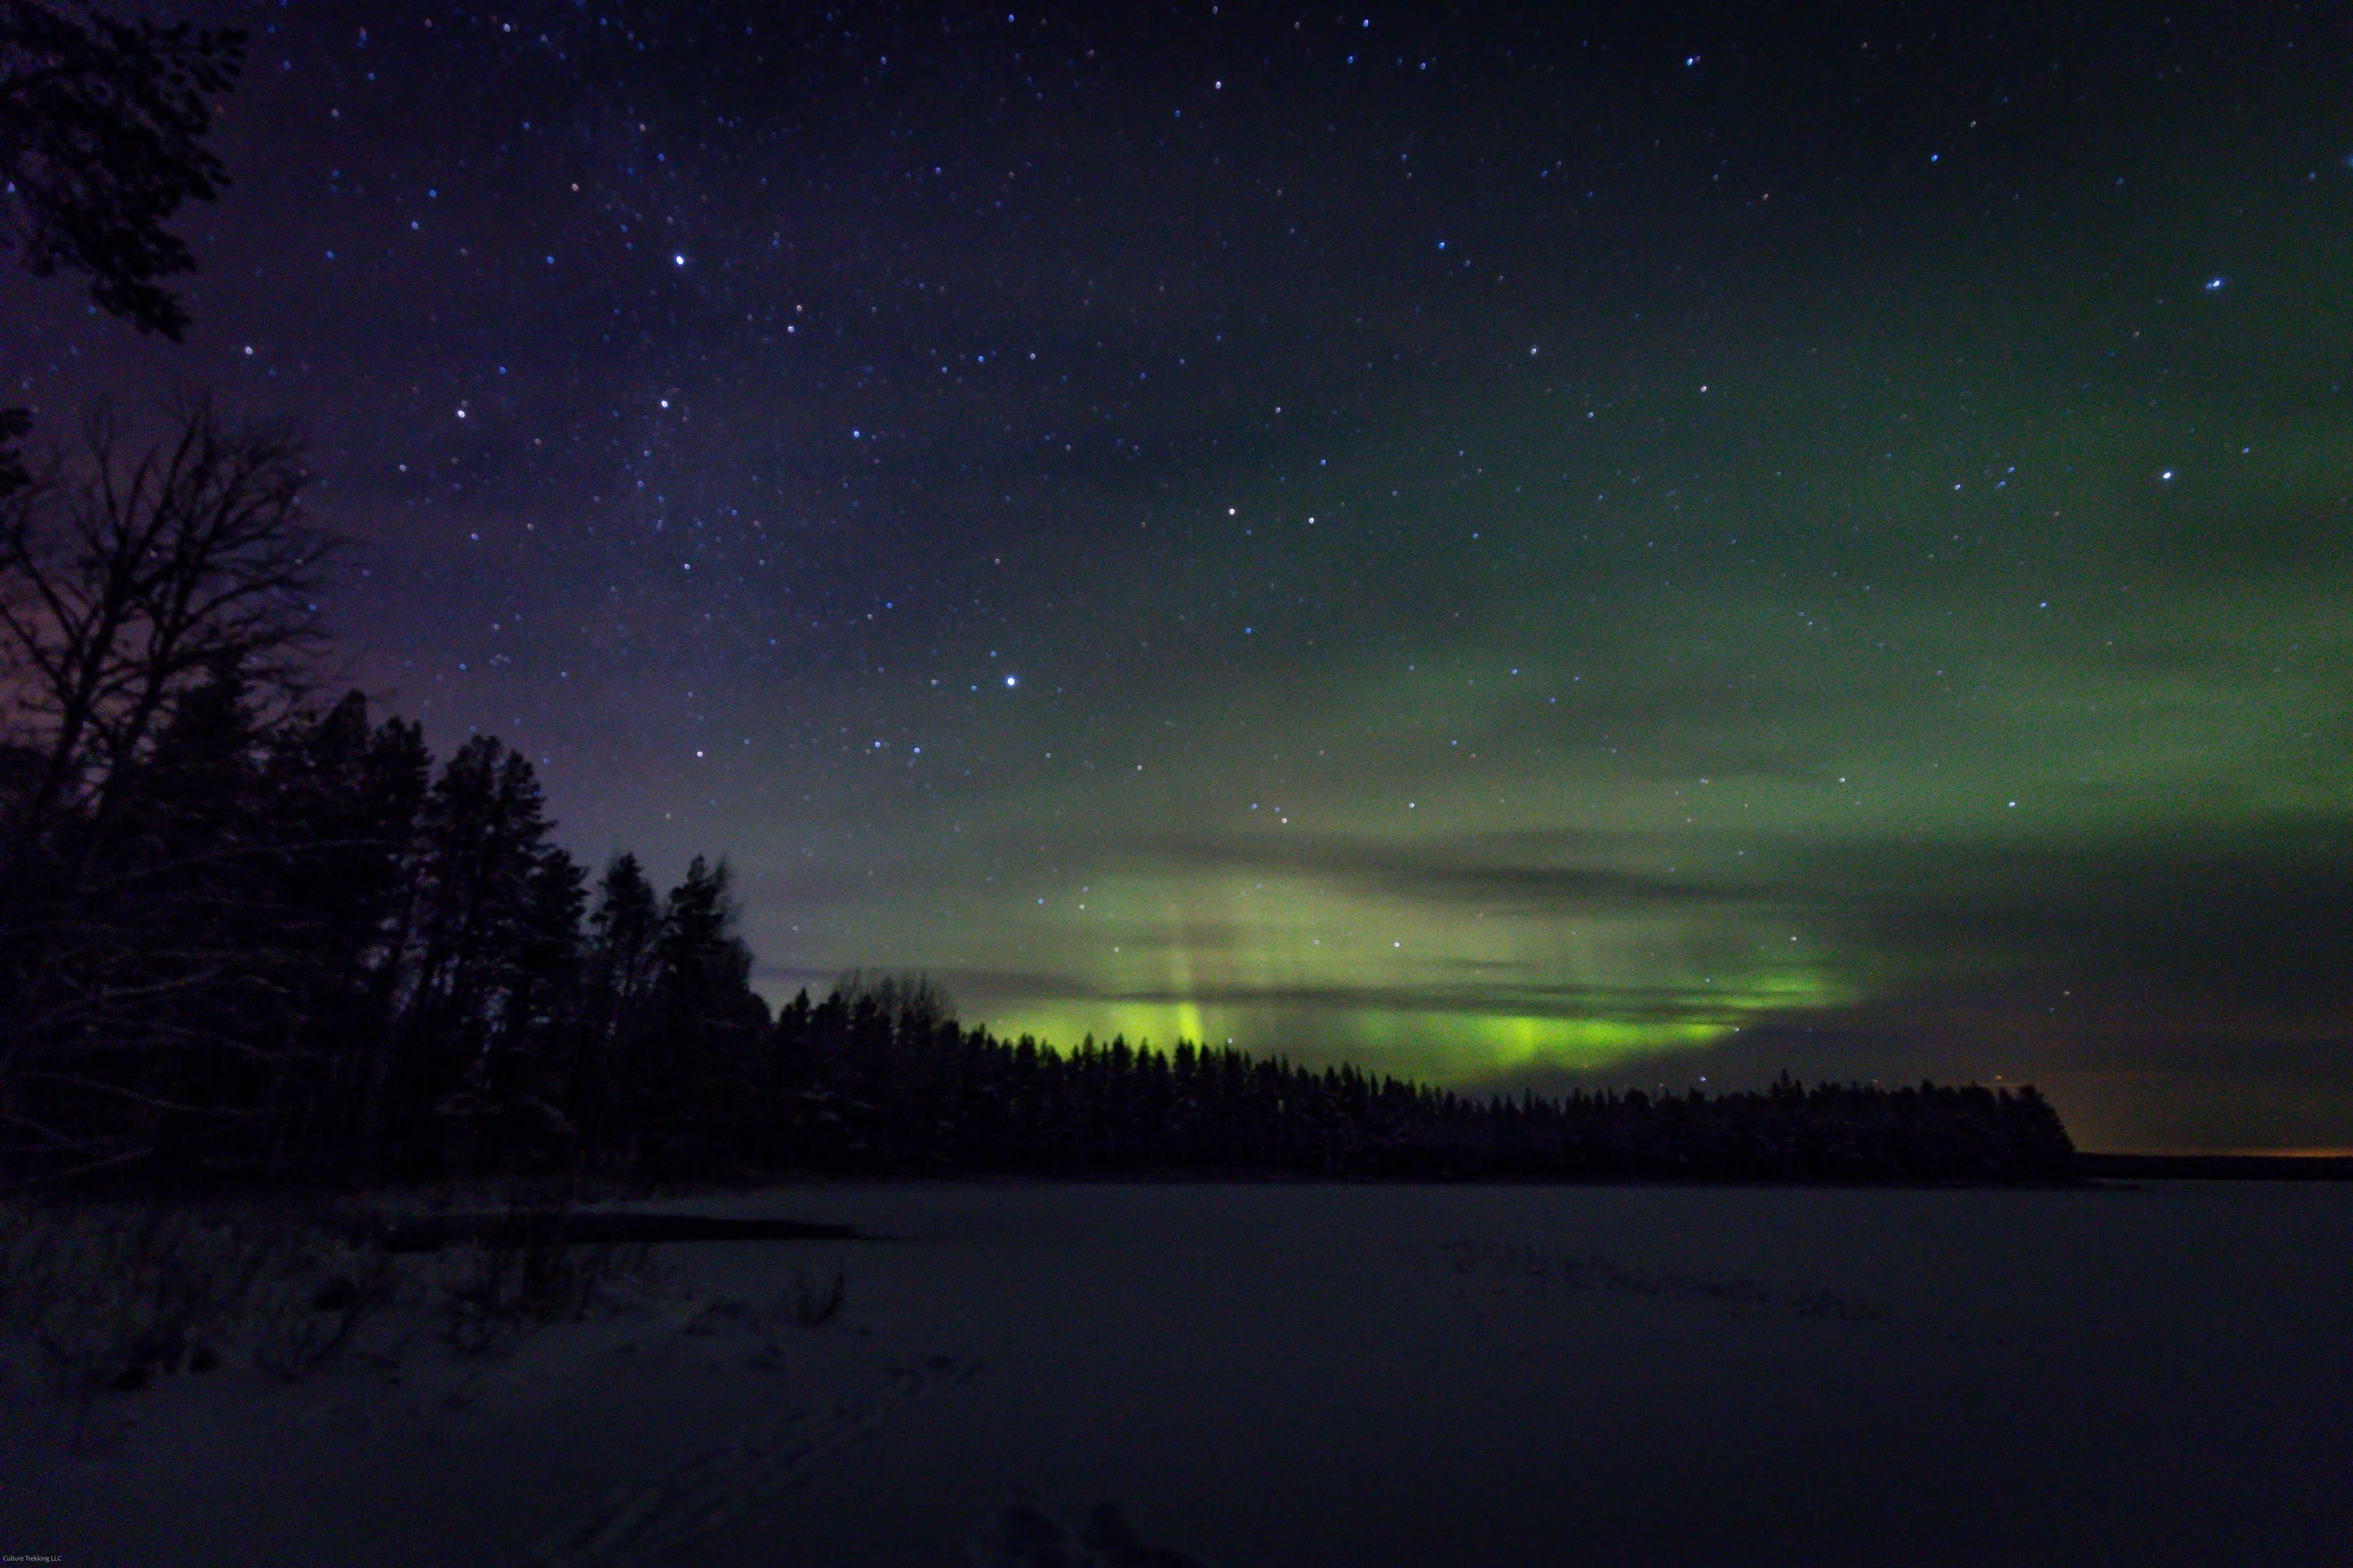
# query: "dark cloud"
{"type": "Point", "coordinates": [1447, 871]}
{"type": "Point", "coordinates": [2254, 920]}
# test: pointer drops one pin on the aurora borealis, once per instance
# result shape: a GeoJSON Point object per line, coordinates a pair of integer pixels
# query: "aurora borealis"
{"type": "Point", "coordinates": [1512, 549]}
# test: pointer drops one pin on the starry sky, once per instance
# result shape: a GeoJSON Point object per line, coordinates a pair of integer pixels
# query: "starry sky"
{"type": "Point", "coordinates": [1521, 548]}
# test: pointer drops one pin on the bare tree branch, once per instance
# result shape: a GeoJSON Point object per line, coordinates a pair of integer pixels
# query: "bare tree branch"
{"type": "Point", "coordinates": [128, 579]}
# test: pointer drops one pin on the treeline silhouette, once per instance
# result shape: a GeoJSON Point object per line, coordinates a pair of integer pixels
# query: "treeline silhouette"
{"type": "Point", "coordinates": [856, 1086]}
{"type": "Point", "coordinates": [291, 949]}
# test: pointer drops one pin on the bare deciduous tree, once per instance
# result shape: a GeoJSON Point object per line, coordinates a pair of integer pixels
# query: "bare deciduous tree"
{"type": "Point", "coordinates": [127, 578]}
{"type": "Point", "coordinates": [124, 583]}
{"type": "Point", "coordinates": [907, 994]}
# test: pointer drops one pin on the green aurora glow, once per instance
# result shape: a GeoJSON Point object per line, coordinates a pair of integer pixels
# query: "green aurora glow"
{"type": "Point", "coordinates": [1593, 779]}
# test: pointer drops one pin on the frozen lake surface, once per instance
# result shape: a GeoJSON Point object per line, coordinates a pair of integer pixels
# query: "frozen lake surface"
{"type": "Point", "coordinates": [1295, 1375]}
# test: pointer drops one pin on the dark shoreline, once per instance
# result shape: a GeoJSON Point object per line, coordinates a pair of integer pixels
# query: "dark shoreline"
{"type": "Point", "coordinates": [2215, 1167]}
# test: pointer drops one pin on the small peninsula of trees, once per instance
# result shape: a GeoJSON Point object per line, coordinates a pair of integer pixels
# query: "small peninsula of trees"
{"type": "Point", "coordinates": [850, 1086]}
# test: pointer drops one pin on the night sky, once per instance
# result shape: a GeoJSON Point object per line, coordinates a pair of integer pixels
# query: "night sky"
{"type": "Point", "coordinates": [1517, 550]}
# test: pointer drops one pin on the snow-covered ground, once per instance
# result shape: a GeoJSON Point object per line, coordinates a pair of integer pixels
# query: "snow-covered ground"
{"type": "Point", "coordinates": [1246, 1375]}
